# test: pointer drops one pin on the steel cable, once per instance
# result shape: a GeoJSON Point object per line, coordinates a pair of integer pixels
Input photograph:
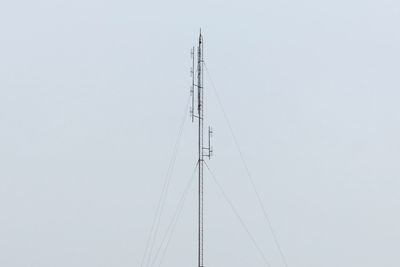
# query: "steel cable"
{"type": "Point", "coordinates": [171, 227]}
{"type": "Point", "coordinates": [161, 202]}
{"type": "Point", "coordinates": [238, 216]}
{"type": "Point", "coordinates": [266, 216]}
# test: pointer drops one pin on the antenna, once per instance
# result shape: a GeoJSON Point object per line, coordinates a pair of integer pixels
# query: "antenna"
{"type": "Point", "coordinates": [202, 150]}
{"type": "Point", "coordinates": [192, 87]}
{"type": "Point", "coordinates": [210, 149]}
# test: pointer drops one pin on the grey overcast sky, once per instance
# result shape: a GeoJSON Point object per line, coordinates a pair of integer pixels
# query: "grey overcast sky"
{"type": "Point", "coordinates": [92, 94]}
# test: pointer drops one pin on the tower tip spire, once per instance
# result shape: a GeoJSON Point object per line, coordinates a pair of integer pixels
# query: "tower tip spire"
{"type": "Point", "coordinates": [200, 36]}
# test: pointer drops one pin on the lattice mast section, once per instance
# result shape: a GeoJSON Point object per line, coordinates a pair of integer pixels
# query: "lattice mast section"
{"type": "Point", "coordinates": [197, 93]}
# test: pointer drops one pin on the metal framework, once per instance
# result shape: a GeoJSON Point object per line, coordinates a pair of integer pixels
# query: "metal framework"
{"type": "Point", "coordinates": [197, 93]}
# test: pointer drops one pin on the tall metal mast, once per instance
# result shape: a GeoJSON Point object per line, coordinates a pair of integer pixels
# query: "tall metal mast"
{"type": "Point", "coordinates": [202, 150]}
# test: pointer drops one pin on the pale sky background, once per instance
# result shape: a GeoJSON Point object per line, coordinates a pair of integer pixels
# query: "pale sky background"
{"type": "Point", "coordinates": [92, 94]}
